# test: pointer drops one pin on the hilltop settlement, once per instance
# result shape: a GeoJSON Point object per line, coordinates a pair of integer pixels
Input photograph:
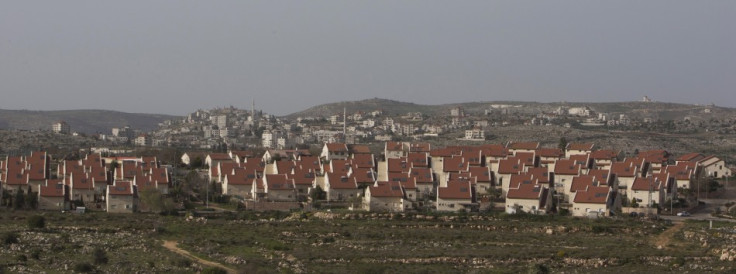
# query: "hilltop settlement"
{"type": "Point", "coordinates": [383, 160]}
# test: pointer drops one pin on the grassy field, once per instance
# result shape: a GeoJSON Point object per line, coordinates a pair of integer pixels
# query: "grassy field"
{"type": "Point", "coordinates": [355, 243]}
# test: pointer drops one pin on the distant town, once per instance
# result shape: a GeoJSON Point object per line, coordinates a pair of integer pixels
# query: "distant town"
{"type": "Point", "coordinates": [362, 161]}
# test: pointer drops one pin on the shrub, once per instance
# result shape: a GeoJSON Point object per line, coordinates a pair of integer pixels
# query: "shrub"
{"type": "Point", "coordinates": [214, 270]}
{"type": "Point", "coordinates": [10, 238]}
{"type": "Point", "coordinates": [83, 267]}
{"type": "Point", "coordinates": [538, 269]}
{"type": "Point", "coordinates": [182, 262]}
{"type": "Point", "coordinates": [36, 254]}
{"type": "Point", "coordinates": [560, 254]}
{"type": "Point", "coordinates": [36, 222]}
{"type": "Point", "coordinates": [21, 258]}
{"type": "Point", "coordinates": [99, 256]}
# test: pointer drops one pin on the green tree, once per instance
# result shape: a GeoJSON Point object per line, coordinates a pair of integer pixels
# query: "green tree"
{"type": "Point", "coordinates": [318, 194]}
{"type": "Point", "coordinates": [562, 144]}
{"type": "Point", "coordinates": [19, 200]}
{"type": "Point", "coordinates": [151, 199]}
{"type": "Point", "coordinates": [197, 162]}
{"type": "Point", "coordinates": [31, 200]}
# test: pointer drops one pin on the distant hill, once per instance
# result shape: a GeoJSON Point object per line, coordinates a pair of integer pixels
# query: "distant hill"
{"type": "Point", "coordinates": [84, 121]}
{"type": "Point", "coordinates": [656, 110]}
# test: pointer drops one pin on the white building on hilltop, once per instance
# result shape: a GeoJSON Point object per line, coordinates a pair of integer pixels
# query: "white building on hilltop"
{"type": "Point", "coordinates": [61, 127]}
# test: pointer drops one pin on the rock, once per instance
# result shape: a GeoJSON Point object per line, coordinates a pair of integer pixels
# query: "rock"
{"type": "Point", "coordinates": [550, 231]}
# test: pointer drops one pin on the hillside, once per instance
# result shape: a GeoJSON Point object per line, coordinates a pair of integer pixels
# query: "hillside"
{"type": "Point", "coordinates": [85, 121]}
{"type": "Point", "coordinates": [658, 110]}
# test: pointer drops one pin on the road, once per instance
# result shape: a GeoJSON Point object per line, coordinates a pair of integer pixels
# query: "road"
{"type": "Point", "coordinates": [703, 212]}
{"type": "Point", "coordinates": [173, 246]}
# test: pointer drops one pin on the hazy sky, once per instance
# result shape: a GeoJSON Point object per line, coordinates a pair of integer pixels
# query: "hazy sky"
{"type": "Point", "coordinates": [175, 57]}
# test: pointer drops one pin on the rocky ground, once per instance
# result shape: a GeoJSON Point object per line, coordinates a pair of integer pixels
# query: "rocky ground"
{"type": "Point", "coordinates": [324, 242]}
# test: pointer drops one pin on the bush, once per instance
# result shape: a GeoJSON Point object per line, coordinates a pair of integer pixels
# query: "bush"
{"type": "Point", "coordinates": [36, 254]}
{"type": "Point", "coordinates": [21, 258]}
{"type": "Point", "coordinates": [538, 269]}
{"type": "Point", "coordinates": [36, 222]}
{"type": "Point", "coordinates": [182, 262]}
{"type": "Point", "coordinates": [10, 238]}
{"type": "Point", "coordinates": [99, 256]}
{"type": "Point", "coordinates": [214, 270]}
{"type": "Point", "coordinates": [83, 267]}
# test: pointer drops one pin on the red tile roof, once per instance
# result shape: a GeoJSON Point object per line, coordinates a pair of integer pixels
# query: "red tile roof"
{"type": "Point", "coordinates": [581, 159]}
{"type": "Point", "coordinates": [455, 190]}
{"type": "Point", "coordinates": [337, 147]}
{"type": "Point", "coordinates": [581, 182]}
{"type": "Point", "coordinates": [691, 157]}
{"type": "Point", "coordinates": [255, 164]}
{"type": "Point", "coordinates": [278, 182]}
{"type": "Point", "coordinates": [81, 181]}
{"type": "Point", "coordinates": [601, 176]}
{"type": "Point", "coordinates": [398, 177]}
{"type": "Point", "coordinates": [394, 146]}
{"type": "Point", "coordinates": [527, 158]}
{"type": "Point", "coordinates": [496, 151]}
{"type": "Point", "coordinates": [512, 165]}
{"type": "Point", "coordinates": [339, 166]}
{"type": "Point", "coordinates": [285, 166]}
{"type": "Point", "coordinates": [454, 164]}
{"type": "Point", "coordinates": [540, 173]}
{"type": "Point", "coordinates": [474, 157]}
{"type": "Point", "coordinates": [241, 176]}
{"type": "Point", "coordinates": [580, 146]}
{"type": "Point", "coordinates": [422, 175]}
{"type": "Point", "coordinates": [219, 156]}
{"type": "Point", "coordinates": [482, 174]}
{"type": "Point", "coordinates": [566, 167]}
{"type": "Point", "coordinates": [341, 181]}
{"type": "Point", "coordinates": [523, 145]}
{"type": "Point", "coordinates": [624, 169]}
{"type": "Point", "coordinates": [526, 191]}
{"type": "Point", "coordinates": [398, 165]}
{"type": "Point", "coordinates": [550, 153]}
{"type": "Point", "coordinates": [310, 162]}
{"type": "Point", "coordinates": [592, 195]}
{"type": "Point", "coordinates": [418, 159]}
{"type": "Point", "coordinates": [387, 189]}
{"type": "Point", "coordinates": [53, 188]}
{"type": "Point", "coordinates": [655, 156]}
{"type": "Point", "coordinates": [604, 154]}
{"type": "Point", "coordinates": [645, 183]}
{"type": "Point", "coordinates": [303, 177]}
{"type": "Point", "coordinates": [359, 149]}
{"type": "Point", "coordinates": [363, 176]}
{"type": "Point", "coordinates": [680, 171]}
{"type": "Point", "coordinates": [120, 188]}
{"type": "Point", "coordinates": [363, 161]}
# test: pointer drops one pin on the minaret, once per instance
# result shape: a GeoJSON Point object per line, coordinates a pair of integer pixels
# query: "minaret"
{"type": "Point", "coordinates": [253, 117]}
{"type": "Point", "coordinates": [253, 110]}
{"type": "Point", "coordinates": [344, 125]}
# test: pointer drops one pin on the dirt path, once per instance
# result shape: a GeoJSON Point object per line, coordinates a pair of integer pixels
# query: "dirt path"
{"type": "Point", "coordinates": [664, 239]}
{"type": "Point", "coordinates": [172, 245]}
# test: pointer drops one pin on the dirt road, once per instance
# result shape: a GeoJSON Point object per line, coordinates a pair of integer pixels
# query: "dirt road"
{"type": "Point", "coordinates": [664, 239]}
{"type": "Point", "coordinates": [172, 245]}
